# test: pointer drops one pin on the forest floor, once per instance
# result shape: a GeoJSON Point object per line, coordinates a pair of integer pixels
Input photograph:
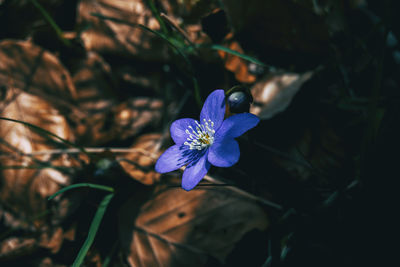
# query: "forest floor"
{"type": "Point", "coordinates": [88, 92]}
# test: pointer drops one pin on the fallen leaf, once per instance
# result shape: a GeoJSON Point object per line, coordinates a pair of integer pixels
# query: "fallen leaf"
{"type": "Point", "coordinates": [273, 93]}
{"type": "Point", "coordinates": [123, 121]}
{"type": "Point", "coordinates": [14, 247]}
{"type": "Point", "coordinates": [95, 98]}
{"type": "Point", "coordinates": [32, 69]}
{"type": "Point", "coordinates": [94, 83]}
{"type": "Point", "coordinates": [135, 114]}
{"type": "Point", "coordinates": [52, 241]}
{"type": "Point", "coordinates": [139, 164]}
{"type": "Point", "coordinates": [24, 190]}
{"type": "Point", "coordinates": [109, 36]}
{"type": "Point", "coordinates": [179, 228]}
{"type": "Point", "coordinates": [236, 64]}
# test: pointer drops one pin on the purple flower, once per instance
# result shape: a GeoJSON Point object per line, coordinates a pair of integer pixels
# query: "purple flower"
{"type": "Point", "coordinates": [210, 141]}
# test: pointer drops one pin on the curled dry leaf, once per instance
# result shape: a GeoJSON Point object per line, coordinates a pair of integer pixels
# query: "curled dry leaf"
{"type": "Point", "coordinates": [94, 84]}
{"type": "Point", "coordinates": [179, 228]}
{"type": "Point", "coordinates": [139, 164]}
{"type": "Point", "coordinates": [135, 114]}
{"type": "Point", "coordinates": [30, 68]}
{"type": "Point", "coordinates": [145, 80]}
{"type": "Point", "coordinates": [113, 37]}
{"type": "Point", "coordinates": [24, 190]}
{"type": "Point", "coordinates": [52, 241]}
{"type": "Point", "coordinates": [121, 122]}
{"type": "Point", "coordinates": [95, 98]}
{"type": "Point", "coordinates": [14, 247]}
{"type": "Point", "coordinates": [236, 64]}
{"type": "Point", "coordinates": [273, 93]}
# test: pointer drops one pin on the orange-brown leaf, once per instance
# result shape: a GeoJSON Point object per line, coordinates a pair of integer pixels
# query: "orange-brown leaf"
{"type": "Point", "coordinates": [139, 164]}
{"type": "Point", "coordinates": [179, 228]}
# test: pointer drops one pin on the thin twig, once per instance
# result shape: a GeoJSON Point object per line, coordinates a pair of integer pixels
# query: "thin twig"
{"type": "Point", "coordinates": [283, 155]}
{"type": "Point", "coordinates": [245, 193]}
{"type": "Point", "coordinates": [92, 150]}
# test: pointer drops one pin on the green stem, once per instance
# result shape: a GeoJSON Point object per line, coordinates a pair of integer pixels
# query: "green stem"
{"type": "Point", "coordinates": [52, 23]}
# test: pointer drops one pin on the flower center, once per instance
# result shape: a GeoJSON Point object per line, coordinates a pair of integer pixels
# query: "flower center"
{"type": "Point", "coordinates": [201, 137]}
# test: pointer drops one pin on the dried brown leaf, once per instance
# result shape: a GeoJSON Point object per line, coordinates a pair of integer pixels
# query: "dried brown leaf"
{"type": "Point", "coordinates": [273, 93]}
{"type": "Point", "coordinates": [14, 247]}
{"type": "Point", "coordinates": [123, 121]}
{"type": "Point", "coordinates": [95, 97]}
{"type": "Point", "coordinates": [236, 64]}
{"type": "Point", "coordinates": [30, 68]}
{"type": "Point", "coordinates": [179, 228]}
{"type": "Point", "coordinates": [139, 164]}
{"type": "Point", "coordinates": [147, 80]}
{"type": "Point", "coordinates": [94, 84]}
{"type": "Point", "coordinates": [24, 191]}
{"type": "Point", "coordinates": [135, 114]}
{"type": "Point", "coordinates": [52, 241]}
{"type": "Point", "coordinates": [119, 38]}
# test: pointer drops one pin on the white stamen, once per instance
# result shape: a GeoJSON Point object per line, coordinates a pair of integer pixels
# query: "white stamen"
{"type": "Point", "coordinates": [202, 137]}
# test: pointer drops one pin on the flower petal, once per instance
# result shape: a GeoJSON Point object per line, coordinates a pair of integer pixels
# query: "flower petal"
{"type": "Point", "coordinates": [178, 129]}
{"type": "Point", "coordinates": [175, 157]}
{"type": "Point", "coordinates": [237, 125]}
{"type": "Point", "coordinates": [214, 108]}
{"type": "Point", "coordinates": [224, 152]}
{"type": "Point", "coordinates": [194, 172]}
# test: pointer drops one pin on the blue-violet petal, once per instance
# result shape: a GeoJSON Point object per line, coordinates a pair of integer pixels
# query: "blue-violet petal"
{"type": "Point", "coordinates": [178, 130]}
{"type": "Point", "coordinates": [173, 158]}
{"type": "Point", "coordinates": [224, 152]}
{"type": "Point", "coordinates": [195, 171]}
{"type": "Point", "coordinates": [214, 108]}
{"type": "Point", "coordinates": [237, 125]}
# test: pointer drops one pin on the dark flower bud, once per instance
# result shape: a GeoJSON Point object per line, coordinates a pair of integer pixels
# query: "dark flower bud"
{"type": "Point", "coordinates": [239, 99]}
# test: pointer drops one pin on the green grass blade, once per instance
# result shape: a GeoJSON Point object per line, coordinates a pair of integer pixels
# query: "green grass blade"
{"type": "Point", "coordinates": [236, 53]}
{"type": "Point", "coordinates": [95, 186]}
{"type": "Point", "coordinates": [107, 259]}
{"type": "Point", "coordinates": [48, 133]}
{"type": "Point", "coordinates": [156, 14]}
{"type": "Point", "coordinates": [94, 226]}
{"type": "Point", "coordinates": [52, 23]}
